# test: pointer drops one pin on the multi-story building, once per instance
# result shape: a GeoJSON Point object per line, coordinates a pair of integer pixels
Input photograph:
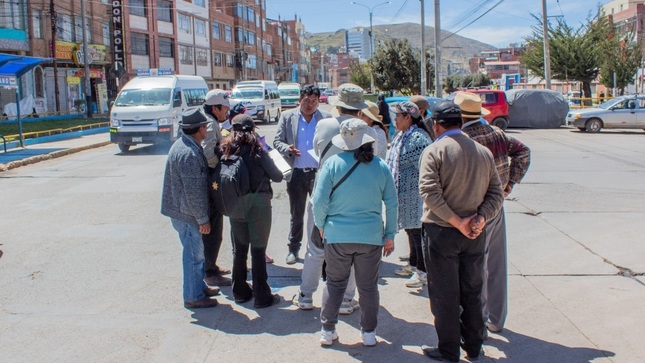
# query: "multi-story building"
{"type": "Point", "coordinates": [358, 40]}
{"type": "Point", "coordinates": [339, 68]}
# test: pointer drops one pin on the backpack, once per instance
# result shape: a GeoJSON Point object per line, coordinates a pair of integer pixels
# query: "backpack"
{"type": "Point", "coordinates": [229, 182]}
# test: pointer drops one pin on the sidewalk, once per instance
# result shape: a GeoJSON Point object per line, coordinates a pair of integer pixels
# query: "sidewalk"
{"type": "Point", "coordinates": [35, 153]}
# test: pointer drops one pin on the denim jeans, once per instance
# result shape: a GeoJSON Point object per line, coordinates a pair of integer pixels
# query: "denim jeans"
{"type": "Point", "coordinates": [192, 259]}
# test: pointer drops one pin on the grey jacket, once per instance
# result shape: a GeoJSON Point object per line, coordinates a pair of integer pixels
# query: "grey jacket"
{"type": "Point", "coordinates": [288, 132]}
{"type": "Point", "coordinates": [185, 183]}
{"type": "Point", "coordinates": [211, 143]}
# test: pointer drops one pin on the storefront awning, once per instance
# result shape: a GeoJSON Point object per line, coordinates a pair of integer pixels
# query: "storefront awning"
{"type": "Point", "coordinates": [17, 65]}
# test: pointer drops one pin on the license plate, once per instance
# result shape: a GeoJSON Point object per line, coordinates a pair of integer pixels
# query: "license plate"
{"type": "Point", "coordinates": [137, 139]}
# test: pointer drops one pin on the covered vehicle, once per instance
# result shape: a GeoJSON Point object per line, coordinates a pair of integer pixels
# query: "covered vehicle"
{"type": "Point", "coordinates": [539, 109]}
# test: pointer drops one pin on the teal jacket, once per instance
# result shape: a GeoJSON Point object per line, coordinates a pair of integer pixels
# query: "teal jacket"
{"type": "Point", "coordinates": [353, 214]}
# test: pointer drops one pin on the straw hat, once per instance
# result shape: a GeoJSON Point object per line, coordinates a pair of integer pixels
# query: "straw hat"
{"type": "Point", "coordinates": [470, 104]}
{"type": "Point", "coordinates": [372, 112]}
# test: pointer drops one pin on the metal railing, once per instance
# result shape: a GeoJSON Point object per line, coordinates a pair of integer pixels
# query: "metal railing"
{"type": "Point", "coordinates": [4, 142]}
{"type": "Point", "coordinates": [35, 134]}
{"type": "Point", "coordinates": [586, 102]}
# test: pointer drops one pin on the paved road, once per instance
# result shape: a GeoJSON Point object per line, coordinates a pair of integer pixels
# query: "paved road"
{"type": "Point", "coordinates": [90, 271]}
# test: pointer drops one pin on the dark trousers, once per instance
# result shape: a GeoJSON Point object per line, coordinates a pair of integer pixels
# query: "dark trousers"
{"type": "Point", "coordinates": [252, 231]}
{"type": "Point", "coordinates": [416, 251]}
{"type": "Point", "coordinates": [213, 242]}
{"type": "Point", "coordinates": [300, 186]}
{"type": "Point", "coordinates": [455, 266]}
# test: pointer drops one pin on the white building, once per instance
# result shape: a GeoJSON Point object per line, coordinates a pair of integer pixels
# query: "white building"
{"type": "Point", "coordinates": [358, 41]}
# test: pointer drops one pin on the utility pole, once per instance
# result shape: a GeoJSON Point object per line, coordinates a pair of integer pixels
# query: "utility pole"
{"type": "Point", "coordinates": [86, 62]}
{"type": "Point", "coordinates": [52, 14]}
{"type": "Point", "coordinates": [547, 54]}
{"type": "Point", "coordinates": [424, 77]}
{"type": "Point", "coordinates": [371, 10]}
{"type": "Point", "coordinates": [437, 50]}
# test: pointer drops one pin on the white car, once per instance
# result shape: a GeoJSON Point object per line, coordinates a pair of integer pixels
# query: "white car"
{"type": "Point", "coordinates": [624, 112]}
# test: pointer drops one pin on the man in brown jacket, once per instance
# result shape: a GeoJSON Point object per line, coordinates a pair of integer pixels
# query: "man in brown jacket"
{"type": "Point", "coordinates": [461, 191]}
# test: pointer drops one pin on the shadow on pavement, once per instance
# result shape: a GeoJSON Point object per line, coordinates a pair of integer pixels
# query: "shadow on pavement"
{"type": "Point", "coordinates": [145, 150]}
{"type": "Point", "coordinates": [529, 349]}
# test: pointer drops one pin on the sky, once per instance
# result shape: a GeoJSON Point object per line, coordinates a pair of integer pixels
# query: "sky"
{"type": "Point", "coordinates": [502, 21]}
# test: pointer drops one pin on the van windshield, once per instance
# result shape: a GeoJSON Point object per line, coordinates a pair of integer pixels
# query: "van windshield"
{"type": "Point", "coordinates": [247, 93]}
{"type": "Point", "coordinates": [289, 92]}
{"type": "Point", "coordinates": [143, 97]}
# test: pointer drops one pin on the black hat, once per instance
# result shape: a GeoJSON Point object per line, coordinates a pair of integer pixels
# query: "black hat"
{"type": "Point", "coordinates": [446, 111]}
{"type": "Point", "coordinates": [243, 122]}
{"type": "Point", "coordinates": [193, 118]}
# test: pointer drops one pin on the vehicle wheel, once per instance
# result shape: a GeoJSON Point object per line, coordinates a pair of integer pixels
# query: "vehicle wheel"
{"type": "Point", "coordinates": [124, 147]}
{"type": "Point", "coordinates": [267, 118]}
{"type": "Point", "coordinates": [582, 129]}
{"type": "Point", "coordinates": [500, 122]}
{"type": "Point", "coordinates": [277, 117]}
{"type": "Point", "coordinates": [594, 125]}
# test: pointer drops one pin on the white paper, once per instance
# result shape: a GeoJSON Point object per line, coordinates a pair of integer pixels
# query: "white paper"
{"type": "Point", "coordinates": [312, 152]}
{"type": "Point", "coordinates": [279, 161]}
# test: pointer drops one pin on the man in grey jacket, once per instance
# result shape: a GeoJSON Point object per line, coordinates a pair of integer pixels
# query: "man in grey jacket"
{"type": "Point", "coordinates": [185, 200]}
{"type": "Point", "coordinates": [293, 140]}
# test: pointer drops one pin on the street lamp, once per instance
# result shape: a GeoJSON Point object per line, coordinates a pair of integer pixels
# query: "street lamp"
{"type": "Point", "coordinates": [371, 10]}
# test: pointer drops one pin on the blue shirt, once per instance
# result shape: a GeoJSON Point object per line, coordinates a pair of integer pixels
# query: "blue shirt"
{"type": "Point", "coordinates": [305, 142]}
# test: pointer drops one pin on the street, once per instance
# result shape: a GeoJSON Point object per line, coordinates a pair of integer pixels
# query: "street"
{"type": "Point", "coordinates": [90, 271]}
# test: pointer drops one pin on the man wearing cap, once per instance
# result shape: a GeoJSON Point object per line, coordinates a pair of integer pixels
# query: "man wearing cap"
{"type": "Point", "coordinates": [424, 110]}
{"type": "Point", "coordinates": [512, 159]}
{"type": "Point", "coordinates": [348, 105]}
{"type": "Point", "coordinates": [184, 199]}
{"type": "Point", "coordinates": [216, 107]}
{"type": "Point", "coordinates": [461, 191]}
{"type": "Point", "coordinates": [293, 140]}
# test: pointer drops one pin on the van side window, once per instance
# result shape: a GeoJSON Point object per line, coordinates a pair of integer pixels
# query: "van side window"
{"type": "Point", "coordinates": [195, 96]}
{"type": "Point", "coordinates": [641, 103]}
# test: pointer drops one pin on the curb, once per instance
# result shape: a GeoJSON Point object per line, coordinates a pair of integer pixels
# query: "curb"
{"type": "Point", "coordinates": [52, 155]}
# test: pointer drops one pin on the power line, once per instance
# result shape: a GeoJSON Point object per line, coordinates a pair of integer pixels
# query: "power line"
{"type": "Point", "coordinates": [477, 18]}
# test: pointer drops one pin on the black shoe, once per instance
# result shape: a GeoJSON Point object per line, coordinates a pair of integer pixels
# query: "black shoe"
{"type": "Point", "coordinates": [434, 354]}
{"type": "Point", "coordinates": [275, 300]}
{"type": "Point", "coordinates": [203, 303]}
{"type": "Point", "coordinates": [222, 271]}
{"type": "Point", "coordinates": [242, 300]}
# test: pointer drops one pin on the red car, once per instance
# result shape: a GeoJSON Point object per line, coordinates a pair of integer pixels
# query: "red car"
{"type": "Point", "coordinates": [495, 102]}
{"type": "Point", "coordinates": [324, 98]}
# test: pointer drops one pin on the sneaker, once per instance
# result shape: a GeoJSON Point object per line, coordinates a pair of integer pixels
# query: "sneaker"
{"type": "Point", "coordinates": [369, 338]}
{"type": "Point", "coordinates": [418, 279]}
{"type": "Point", "coordinates": [348, 306]}
{"type": "Point", "coordinates": [268, 259]}
{"type": "Point", "coordinates": [327, 337]}
{"type": "Point", "coordinates": [302, 302]}
{"type": "Point", "coordinates": [492, 327]}
{"type": "Point", "coordinates": [405, 271]}
{"type": "Point", "coordinates": [292, 258]}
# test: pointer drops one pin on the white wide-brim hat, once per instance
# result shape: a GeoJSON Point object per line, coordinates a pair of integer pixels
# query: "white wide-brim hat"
{"type": "Point", "coordinates": [354, 133]}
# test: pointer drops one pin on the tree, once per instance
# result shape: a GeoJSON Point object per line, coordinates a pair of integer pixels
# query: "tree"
{"type": "Point", "coordinates": [622, 57]}
{"type": "Point", "coordinates": [398, 67]}
{"type": "Point", "coordinates": [360, 75]}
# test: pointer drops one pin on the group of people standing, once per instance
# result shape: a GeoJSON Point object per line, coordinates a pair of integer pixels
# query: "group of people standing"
{"type": "Point", "coordinates": [442, 179]}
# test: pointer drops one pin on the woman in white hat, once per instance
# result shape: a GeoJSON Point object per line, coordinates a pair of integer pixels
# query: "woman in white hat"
{"type": "Point", "coordinates": [348, 198]}
{"type": "Point", "coordinates": [373, 119]}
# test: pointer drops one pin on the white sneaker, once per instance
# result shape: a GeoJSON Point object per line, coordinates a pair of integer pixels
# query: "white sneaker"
{"type": "Point", "coordinates": [327, 337]}
{"type": "Point", "coordinates": [418, 279]}
{"type": "Point", "coordinates": [302, 302]}
{"type": "Point", "coordinates": [369, 339]}
{"type": "Point", "coordinates": [348, 306]}
{"type": "Point", "coordinates": [405, 271]}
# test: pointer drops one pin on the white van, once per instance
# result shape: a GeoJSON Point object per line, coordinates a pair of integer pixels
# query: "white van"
{"type": "Point", "coordinates": [148, 109]}
{"type": "Point", "coordinates": [260, 98]}
{"type": "Point", "coordinates": [289, 94]}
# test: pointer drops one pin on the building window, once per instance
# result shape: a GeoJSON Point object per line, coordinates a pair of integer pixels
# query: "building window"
{"type": "Point", "coordinates": [138, 7]}
{"type": "Point", "coordinates": [166, 47]}
{"type": "Point", "coordinates": [36, 24]}
{"type": "Point", "coordinates": [252, 62]}
{"type": "Point", "coordinates": [11, 15]}
{"type": "Point", "coordinates": [250, 37]}
{"type": "Point", "coordinates": [201, 3]}
{"type": "Point", "coordinates": [229, 60]}
{"type": "Point", "coordinates": [238, 10]}
{"type": "Point", "coordinates": [105, 28]}
{"type": "Point", "coordinates": [64, 28]}
{"type": "Point", "coordinates": [228, 34]}
{"type": "Point", "coordinates": [164, 10]}
{"type": "Point", "coordinates": [215, 30]}
{"type": "Point", "coordinates": [184, 23]}
{"type": "Point", "coordinates": [139, 43]}
{"type": "Point", "coordinates": [217, 59]}
{"type": "Point", "coordinates": [185, 54]}
{"type": "Point", "coordinates": [200, 27]}
{"type": "Point", "coordinates": [201, 56]}
{"type": "Point", "coordinates": [250, 15]}
{"type": "Point", "coordinates": [239, 34]}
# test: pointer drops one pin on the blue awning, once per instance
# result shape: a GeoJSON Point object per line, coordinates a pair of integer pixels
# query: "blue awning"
{"type": "Point", "coordinates": [17, 65]}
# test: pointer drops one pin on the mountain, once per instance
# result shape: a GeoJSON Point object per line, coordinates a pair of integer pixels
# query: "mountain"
{"type": "Point", "coordinates": [455, 48]}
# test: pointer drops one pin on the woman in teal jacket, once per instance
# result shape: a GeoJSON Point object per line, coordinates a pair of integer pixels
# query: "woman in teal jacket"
{"type": "Point", "coordinates": [350, 220]}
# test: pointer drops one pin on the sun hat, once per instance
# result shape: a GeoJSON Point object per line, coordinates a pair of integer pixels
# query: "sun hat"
{"type": "Point", "coordinates": [350, 96]}
{"type": "Point", "coordinates": [470, 104]}
{"type": "Point", "coordinates": [406, 107]}
{"type": "Point", "coordinates": [217, 97]}
{"type": "Point", "coordinates": [446, 111]}
{"type": "Point", "coordinates": [372, 112]}
{"type": "Point", "coordinates": [353, 134]}
{"type": "Point", "coordinates": [193, 118]}
{"type": "Point", "coordinates": [243, 122]}
{"type": "Point", "coordinates": [420, 101]}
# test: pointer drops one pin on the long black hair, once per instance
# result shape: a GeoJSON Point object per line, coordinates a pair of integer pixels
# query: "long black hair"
{"type": "Point", "coordinates": [365, 153]}
{"type": "Point", "coordinates": [420, 124]}
{"type": "Point", "coordinates": [238, 140]}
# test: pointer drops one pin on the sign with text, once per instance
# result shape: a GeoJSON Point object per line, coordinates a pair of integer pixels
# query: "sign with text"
{"type": "Point", "coordinates": [152, 72]}
{"type": "Point", "coordinates": [118, 45]}
{"type": "Point", "coordinates": [8, 81]}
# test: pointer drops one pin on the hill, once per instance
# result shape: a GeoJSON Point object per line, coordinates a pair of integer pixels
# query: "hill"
{"type": "Point", "coordinates": [456, 48]}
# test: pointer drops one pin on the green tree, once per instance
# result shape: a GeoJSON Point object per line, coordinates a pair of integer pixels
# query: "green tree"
{"type": "Point", "coordinates": [452, 83]}
{"type": "Point", "coordinates": [360, 75]}
{"type": "Point", "coordinates": [622, 57]}
{"type": "Point", "coordinates": [398, 67]}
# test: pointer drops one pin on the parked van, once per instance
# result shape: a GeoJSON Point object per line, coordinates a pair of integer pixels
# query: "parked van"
{"type": "Point", "coordinates": [148, 109]}
{"type": "Point", "coordinates": [260, 98]}
{"type": "Point", "coordinates": [289, 94]}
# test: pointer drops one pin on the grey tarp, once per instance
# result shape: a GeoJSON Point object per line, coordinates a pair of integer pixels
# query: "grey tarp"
{"type": "Point", "coordinates": [540, 109]}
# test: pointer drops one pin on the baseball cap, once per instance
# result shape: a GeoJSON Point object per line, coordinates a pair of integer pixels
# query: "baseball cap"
{"type": "Point", "coordinates": [216, 97]}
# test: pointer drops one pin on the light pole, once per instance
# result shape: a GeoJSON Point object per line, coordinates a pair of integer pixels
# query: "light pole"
{"type": "Point", "coordinates": [371, 10]}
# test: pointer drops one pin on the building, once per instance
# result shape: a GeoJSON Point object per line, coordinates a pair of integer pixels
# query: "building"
{"type": "Point", "coordinates": [358, 40]}
{"type": "Point", "coordinates": [339, 68]}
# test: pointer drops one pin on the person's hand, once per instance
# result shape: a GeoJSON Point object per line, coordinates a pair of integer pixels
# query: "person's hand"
{"type": "Point", "coordinates": [463, 225]}
{"type": "Point", "coordinates": [388, 248]}
{"type": "Point", "coordinates": [205, 228]}
{"type": "Point", "coordinates": [507, 190]}
{"type": "Point", "coordinates": [322, 233]}
{"type": "Point", "coordinates": [293, 151]}
{"type": "Point", "coordinates": [477, 224]}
